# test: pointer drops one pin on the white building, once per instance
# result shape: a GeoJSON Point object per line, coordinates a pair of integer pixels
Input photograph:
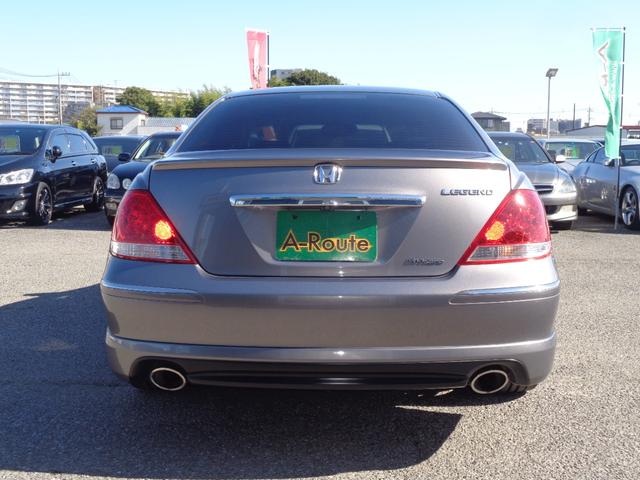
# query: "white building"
{"type": "Point", "coordinates": [127, 120]}
{"type": "Point", "coordinates": [165, 124]}
{"type": "Point", "coordinates": [38, 102]}
{"type": "Point", "coordinates": [120, 120]}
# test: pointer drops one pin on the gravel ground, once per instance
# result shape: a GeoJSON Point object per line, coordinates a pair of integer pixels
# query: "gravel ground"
{"type": "Point", "coordinates": [64, 415]}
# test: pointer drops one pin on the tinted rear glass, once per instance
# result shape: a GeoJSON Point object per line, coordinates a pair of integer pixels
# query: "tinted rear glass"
{"type": "Point", "coordinates": [115, 146]}
{"type": "Point", "coordinates": [520, 149]}
{"type": "Point", "coordinates": [571, 149]}
{"type": "Point", "coordinates": [333, 120]}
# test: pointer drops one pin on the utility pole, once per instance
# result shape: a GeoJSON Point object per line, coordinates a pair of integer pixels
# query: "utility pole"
{"type": "Point", "coordinates": [60, 74]}
{"type": "Point", "coordinates": [589, 116]}
{"type": "Point", "coordinates": [550, 74]}
{"type": "Point", "coordinates": [573, 123]}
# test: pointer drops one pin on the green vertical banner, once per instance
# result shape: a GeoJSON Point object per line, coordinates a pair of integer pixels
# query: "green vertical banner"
{"type": "Point", "coordinates": [608, 45]}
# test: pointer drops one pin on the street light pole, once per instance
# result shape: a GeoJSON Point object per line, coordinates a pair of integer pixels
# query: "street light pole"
{"type": "Point", "coordinates": [550, 74]}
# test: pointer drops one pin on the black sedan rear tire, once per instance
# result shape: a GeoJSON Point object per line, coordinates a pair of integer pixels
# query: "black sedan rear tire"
{"type": "Point", "coordinates": [97, 202]}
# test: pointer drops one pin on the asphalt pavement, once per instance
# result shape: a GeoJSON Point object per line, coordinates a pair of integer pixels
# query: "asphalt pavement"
{"type": "Point", "coordinates": [64, 415]}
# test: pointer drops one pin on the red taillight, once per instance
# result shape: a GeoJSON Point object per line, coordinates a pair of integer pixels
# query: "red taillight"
{"type": "Point", "coordinates": [142, 231]}
{"type": "Point", "coordinates": [516, 231]}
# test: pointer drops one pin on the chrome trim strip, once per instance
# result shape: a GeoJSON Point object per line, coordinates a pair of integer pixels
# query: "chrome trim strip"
{"type": "Point", "coordinates": [150, 293]}
{"type": "Point", "coordinates": [508, 294]}
{"type": "Point", "coordinates": [326, 200]}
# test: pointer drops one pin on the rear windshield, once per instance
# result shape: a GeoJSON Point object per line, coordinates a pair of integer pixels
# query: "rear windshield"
{"type": "Point", "coordinates": [571, 149]}
{"type": "Point", "coordinates": [333, 120]}
{"type": "Point", "coordinates": [520, 149]}
{"type": "Point", "coordinates": [20, 140]}
{"type": "Point", "coordinates": [115, 146]}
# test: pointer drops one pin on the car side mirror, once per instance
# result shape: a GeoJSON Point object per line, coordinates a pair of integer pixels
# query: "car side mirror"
{"type": "Point", "coordinates": [560, 159]}
{"type": "Point", "coordinates": [553, 154]}
{"type": "Point", "coordinates": [610, 162]}
{"type": "Point", "coordinates": [54, 153]}
{"type": "Point", "coordinates": [124, 157]}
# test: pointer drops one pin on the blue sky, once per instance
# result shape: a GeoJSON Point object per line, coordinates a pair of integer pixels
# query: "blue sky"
{"type": "Point", "coordinates": [488, 55]}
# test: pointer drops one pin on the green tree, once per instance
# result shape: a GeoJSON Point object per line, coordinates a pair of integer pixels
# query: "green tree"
{"type": "Point", "coordinates": [201, 99]}
{"type": "Point", "coordinates": [140, 98]}
{"type": "Point", "coordinates": [306, 77]}
{"type": "Point", "coordinates": [86, 120]}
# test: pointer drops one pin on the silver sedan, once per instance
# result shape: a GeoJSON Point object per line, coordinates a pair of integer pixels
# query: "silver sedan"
{"type": "Point", "coordinates": [332, 237]}
{"type": "Point", "coordinates": [596, 180]}
{"type": "Point", "coordinates": [554, 185]}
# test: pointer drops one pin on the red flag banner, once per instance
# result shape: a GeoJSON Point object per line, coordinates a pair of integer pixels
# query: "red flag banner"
{"type": "Point", "coordinates": [258, 44]}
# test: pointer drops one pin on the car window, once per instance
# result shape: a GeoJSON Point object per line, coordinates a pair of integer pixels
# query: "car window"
{"type": "Point", "coordinates": [20, 140]}
{"type": "Point", "coordinates": [520, 149]}
{"type": "Point", "coordinates": [631, 155]}
{"type": "Point", "coordinates": [600, 157]}
{"type": "Point", "coordinates": [88, 143]}
{"type": "Point", "coordinates": [333, 120]}
{"type": "Point", "coordinates": [115, 146]}
{"type": "Point", "coordinates": [571, 150]}
{"type": "Point", "coordinates": [77, 144]}
{"type": "Point", "coordinates": [154, 148]}
{"type": "Point", "coordinates": [61, 140]}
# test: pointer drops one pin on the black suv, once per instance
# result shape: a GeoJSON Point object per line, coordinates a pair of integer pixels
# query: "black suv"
{"type": "Point", "coordinates": [44, 168]}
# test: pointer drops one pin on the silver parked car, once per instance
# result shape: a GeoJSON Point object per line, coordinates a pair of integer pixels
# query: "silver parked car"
{"type": "Point", "coordinates": [332, 237]}
{"type": "Point", "coordinates": [555, 186]}
{"type": "Point", "coordinates": [569, 152]}
{"type": "Point", "coordinates": [597, 178]}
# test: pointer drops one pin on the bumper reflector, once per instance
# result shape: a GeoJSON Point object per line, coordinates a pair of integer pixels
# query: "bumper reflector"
{"type": "Point", "coordinates": [496, 253]}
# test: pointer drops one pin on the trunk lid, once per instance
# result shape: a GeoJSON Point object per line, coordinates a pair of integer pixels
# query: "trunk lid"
{"type": "Point", "coordinates": [205, 194]}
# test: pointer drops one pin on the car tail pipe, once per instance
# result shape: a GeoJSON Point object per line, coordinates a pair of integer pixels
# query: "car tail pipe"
{"type": "Point", "coordinates": [167, 378]}
{"type": "Point", "coordinates": [488, 381]}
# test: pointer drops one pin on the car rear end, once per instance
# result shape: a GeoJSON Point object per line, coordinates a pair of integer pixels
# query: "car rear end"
{"type": "Point", "coordinates": [332, 238]}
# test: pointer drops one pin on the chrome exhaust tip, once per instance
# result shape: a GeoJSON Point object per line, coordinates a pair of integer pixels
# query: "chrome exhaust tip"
{"type": "Point", "coordinates": [167, 379]}
{"type": "Point", "coordinates": [489, 381]}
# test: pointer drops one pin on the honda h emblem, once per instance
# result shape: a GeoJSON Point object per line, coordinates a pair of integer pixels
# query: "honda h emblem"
{"type": "Point", "coordinates": [327, 173]}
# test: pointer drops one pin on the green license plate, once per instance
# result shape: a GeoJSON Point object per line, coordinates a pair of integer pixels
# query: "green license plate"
{"type": "Point", "coordinates": [326, 236]}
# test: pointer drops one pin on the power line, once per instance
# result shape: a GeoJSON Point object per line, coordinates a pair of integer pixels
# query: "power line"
{"type": "Point", "coordinates": [554, 112]}
{"type": "Point", "coordinates": [18, 74]}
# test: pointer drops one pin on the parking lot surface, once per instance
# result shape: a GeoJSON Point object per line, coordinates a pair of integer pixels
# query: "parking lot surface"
{"type": "Point", "coordinates": [64, 415]}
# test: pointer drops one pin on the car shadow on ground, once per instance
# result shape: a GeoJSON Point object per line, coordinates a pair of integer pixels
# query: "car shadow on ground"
{"type": "Point", "coordinates": [73, 219]}
{"type": "Point", "coordinates": [600, 223]}
{"type": "Point", "coordinates": [63, 411]}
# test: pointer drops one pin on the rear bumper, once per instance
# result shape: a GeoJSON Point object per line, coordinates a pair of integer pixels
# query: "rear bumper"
{"type": "Point", "coordinates": [478, 315]}
{"type": "Point", "coordinates": [527, 363]}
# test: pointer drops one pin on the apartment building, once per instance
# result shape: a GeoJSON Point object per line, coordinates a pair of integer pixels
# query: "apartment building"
{"type": "Point", "coordinates": [38, 102]}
